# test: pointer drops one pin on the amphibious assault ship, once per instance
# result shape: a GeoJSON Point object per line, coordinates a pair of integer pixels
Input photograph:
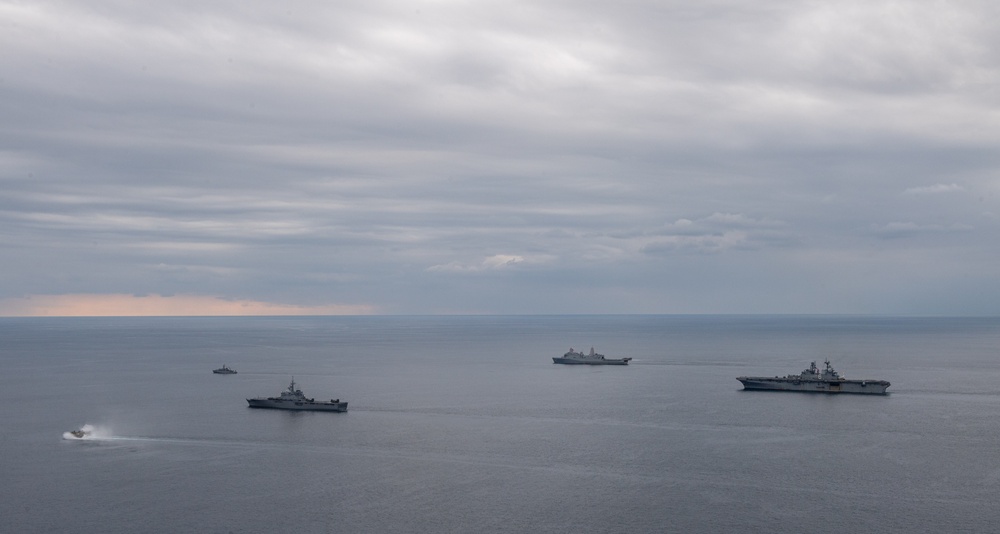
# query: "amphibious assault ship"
{"type": "Point", "coordinates": [578, 358]}
{"type": "Point", "coordinates": [813, 380]}
{"type": "Point", "coordinates": [293, 399]}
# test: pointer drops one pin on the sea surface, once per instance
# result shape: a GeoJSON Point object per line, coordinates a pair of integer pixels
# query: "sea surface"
{"type": "Point", "coordinates": [464, 424]}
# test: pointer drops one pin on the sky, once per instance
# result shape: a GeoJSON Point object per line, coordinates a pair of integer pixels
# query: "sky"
{"type": "Point", "coordinates": [499, 157]}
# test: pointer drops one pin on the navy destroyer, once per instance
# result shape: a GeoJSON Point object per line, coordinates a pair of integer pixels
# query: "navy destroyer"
{"type": "Point", "coordinates": [578, 358]}
{"type": "Point", "coordinates": [224, 371]}
{"type": "Point", "coordinates": [293, 399]}
{"type": "Point", "coordinates": [814, 380]}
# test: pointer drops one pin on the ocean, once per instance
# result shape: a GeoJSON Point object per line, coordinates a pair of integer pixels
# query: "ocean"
{"type": "Point", "coordinates": [462, 424]}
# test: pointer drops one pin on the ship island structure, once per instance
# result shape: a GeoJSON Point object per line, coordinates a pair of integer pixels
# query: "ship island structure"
{"type": "Point", "coordinates": [815, 380]}
{"type": "Point", "coordinates": [579, 358]}
{"type": "Point", "coordinates": [294, 399]}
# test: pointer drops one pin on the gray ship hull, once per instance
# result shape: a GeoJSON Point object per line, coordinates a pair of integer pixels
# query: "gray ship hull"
{"type": "Point", "coordinates": [859, 387]}
{"type": "Point", "coordinates": [575, 361]}
{"type": "Point", "coordinates": [304, 405]}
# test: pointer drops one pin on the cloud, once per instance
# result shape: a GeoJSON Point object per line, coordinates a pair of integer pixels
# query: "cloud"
{"type": "Point", "coordinates": [355, 152]}
{"type": "Point", "coordinates": [934, 189]}
{"type": "Point", "coordinates": [713, 233]}
{"type": "Point", "coordinates": [894, 230]}
{"type": "Point", "coordinates": [740, 220]}
{"type": "Point", "coordinates": [701, 243]}
{"type": "Point", "coordinates": [492, 263]}
{"type": "Point", "coordinates": [158, 305]}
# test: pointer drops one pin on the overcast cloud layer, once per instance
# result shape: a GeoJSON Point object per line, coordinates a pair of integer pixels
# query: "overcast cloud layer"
{"type": "Point", "coordinates": [729, 156]}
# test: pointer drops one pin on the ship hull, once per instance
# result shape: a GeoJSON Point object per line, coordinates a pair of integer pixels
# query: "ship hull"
{"type": "Point", "coordinates": [573, 361]}
{"type": "Point", "coordinates": [857, 387]}
{"type": "Point", "coordinates": [299, 406]}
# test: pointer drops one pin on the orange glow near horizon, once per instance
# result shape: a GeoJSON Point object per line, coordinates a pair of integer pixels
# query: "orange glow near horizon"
{"type": "Point", "coordinates": [123, 305]}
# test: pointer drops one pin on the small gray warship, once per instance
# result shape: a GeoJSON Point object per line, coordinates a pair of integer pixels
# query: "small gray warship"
{"type": "Point", "coordinates": [813, 380]}
{"type": "Point", "coordinates": [293, 399]}
{"type": "Point", "coordinates": [578, 358]}
{"type": "Point", "coordinates": [224, 371]}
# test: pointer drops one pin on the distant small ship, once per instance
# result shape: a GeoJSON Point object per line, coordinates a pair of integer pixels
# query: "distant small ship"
{"type": "Point", "coordinates": [812, 380]}
{"type": "Point", "coordinates": [224, 371]}
{"type": "Point", "coordinates": [293, 399]}
{"type": "Point", "coordinates": [79, 434]}
{"type": "Point", "coordinates": [578, 358]}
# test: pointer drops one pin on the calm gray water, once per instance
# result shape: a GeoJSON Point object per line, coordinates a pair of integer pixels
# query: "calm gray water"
{"type": "Point", "coordinates": [463, 424]}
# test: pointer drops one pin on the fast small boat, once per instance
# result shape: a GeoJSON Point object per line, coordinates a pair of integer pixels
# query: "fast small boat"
{"type": "Point", "coordinates": [578, 358]}
{"type": "Point", "coordinates": [224, 371]}
{"type": "Point", "coordinates": [85, 432]}
{"type": "Point", "coordinates": [294, 399]}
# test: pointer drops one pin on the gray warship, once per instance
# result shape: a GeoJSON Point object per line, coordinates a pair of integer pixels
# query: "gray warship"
{"type": "Point", "coordinates": [224, 371]}
{"type": "Point", "coordinates": [814, 380]}
{"type": "Point", "coordinates": [293, 399]}
{"type": "Point", "coordinates": [578, 358]}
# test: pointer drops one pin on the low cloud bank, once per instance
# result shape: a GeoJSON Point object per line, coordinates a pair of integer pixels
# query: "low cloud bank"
{"type": "Point", "coordinates": [98, 305]}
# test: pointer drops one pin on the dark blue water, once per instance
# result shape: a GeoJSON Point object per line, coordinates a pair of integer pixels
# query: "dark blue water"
{"type": "Point", "coordinates": [463, 424]}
